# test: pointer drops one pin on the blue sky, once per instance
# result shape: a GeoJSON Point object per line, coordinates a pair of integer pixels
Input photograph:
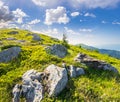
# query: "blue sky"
{"type": "Point", "coordinates": [92, 22]}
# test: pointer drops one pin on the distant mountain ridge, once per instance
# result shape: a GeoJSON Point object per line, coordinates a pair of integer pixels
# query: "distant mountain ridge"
{"type": "Point", "coordinates": [112, 53]}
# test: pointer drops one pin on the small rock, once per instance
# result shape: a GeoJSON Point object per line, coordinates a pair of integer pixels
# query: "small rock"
{"type": "Point", "coordinates": [58, 50]}
{"type": "Point", "coordinates": [75, 72]}
{"type": "Point", "coordinates": [57, 79]}
{"type": "Point", "coordinates": [11, 39]}
{"type": "Point", "coordinates": [80, 71]}
{"type": "Point", "coordinates": [72, 71]}
{"type": "Point", "coordinates": [13, 32]}
{"type": "Point", "coordinates": [20, 41]}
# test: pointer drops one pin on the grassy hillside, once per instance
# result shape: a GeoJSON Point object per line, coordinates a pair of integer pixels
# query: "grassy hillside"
{"type": "Point", "coordinates": [93, 86]}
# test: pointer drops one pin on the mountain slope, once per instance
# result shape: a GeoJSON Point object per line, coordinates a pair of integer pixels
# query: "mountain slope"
{"type": "Point", "coordinates": [94, 85]}
{"type": "Point", "coordinates": [112, 53]}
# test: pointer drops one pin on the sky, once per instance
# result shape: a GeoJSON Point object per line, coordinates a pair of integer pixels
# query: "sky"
{"type": "Point", "coordinates": [92, 22]}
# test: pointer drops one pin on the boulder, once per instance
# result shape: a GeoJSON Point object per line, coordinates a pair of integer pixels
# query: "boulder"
{"type": "Point", "coordinates": [58, 50]}
{"type": "Point", "coordinates": [57, 79]}
{"type": "Point", "coordinates": [94, 63]}
{"type": "Point", "coordinates": [31, 75]}
{"type": "Point", "coordinates": [36, 37]}
{"type": "Point", "coordinates": [75, 72]}
{"type": "Point", "coordinates": [9, 54]}
{"type": "Point", "coordinates": [31, 88]}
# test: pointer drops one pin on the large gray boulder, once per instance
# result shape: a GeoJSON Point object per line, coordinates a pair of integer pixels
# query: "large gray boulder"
{"type": "Point", "coordinates": [58, 50]}
{"type": "Point", "coordinates": [94, 63]}
{"type": "Point", "coordinates": [31, 89]}
{"type": "Point", "coordinates": [75, 72]}
{"type": "Point", "coordinates": [57, 79]}
{"type": "Point", "coordinates": [9, 54]}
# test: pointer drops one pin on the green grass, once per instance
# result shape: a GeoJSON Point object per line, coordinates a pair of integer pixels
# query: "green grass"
{"type": "Point", "coordinates": [94, 86]}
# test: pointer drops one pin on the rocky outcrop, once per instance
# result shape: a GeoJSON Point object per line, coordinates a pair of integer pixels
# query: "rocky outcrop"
{"type": "Point", "coordinates": [57, 79]}
{"type": "Point", "coordinates": [58, 50]}
{"type": "Point", "coordinates": [94, 63]}
{"type": "Point", "coordinates": [53, 80]}
{"type": "Point", "coordinates": [13, 32]}
{"type": "Point", "coordinates": [31, 89]}
{"type": "Point", "coordinates": [9, 54]}
{"type": "Point", "coordinates": [32, 92]}
{"type": "Point", "coordinates": [74, 71]}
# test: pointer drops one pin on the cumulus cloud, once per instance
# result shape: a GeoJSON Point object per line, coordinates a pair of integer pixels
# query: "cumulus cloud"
{"type": "Point", "coordinates": [94, 3]}
{"type": "Point", "coordinates": [35, 21]}
{"type": "Point", "coordinates": [90, 4]}
{"type": "Point", "coordinates": [47, 3]}
{"type": "Point", "coordinates": [89, 15]}
{"type": "Point", "coordinates": [74, 14]}
{"type": "Point", "coordinates": [57, 15]}
{"type": "Point", "coordinates": [85, 30]}
{"type": "Point", "coordinates": [19, 15]}
{"type": "Point", "coordinates": [117, 23]}
{"type": "Point", "coordinates": [5, 13]}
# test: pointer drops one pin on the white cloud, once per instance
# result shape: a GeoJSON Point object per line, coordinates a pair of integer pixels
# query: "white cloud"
{"type": "Point", "coordinates": [19, 15]}
{"type": "Point", "coordinates": [117, 23]}
{"type": "Point", "coordinates": [49, 31]}
{"type": "Point", "coordinates": [5, 13]}
{"type": "Point", "coordinates": [57, 15]}
{"type": "Point", "coordinates": [104, 22]}
{"type": "Point", "coordinates": [89, 15]}
{"type": "Point", "coordinates": [26, 26]}
{"type": "Point", "coordinates": [74, 14]}
{"type": "Point", "coordinates": [47, 3]}
{"type": "Point", "coordinates": [35, 21]}
{"type": "Point", "coordinates": [85, 30]}
{"type": "Point", "coordinates": [78, 3]}
{"type": "Point", "coordinates": [76, 37]}
{"type": "Point", "coordinates": [93, 3]}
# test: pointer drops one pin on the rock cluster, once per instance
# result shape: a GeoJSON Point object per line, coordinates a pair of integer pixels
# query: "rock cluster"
{"type": "Point", "coordinates": [58, 50]}
{"type": "Point", "coordinates": [9, 54]}
{"type": "Point", "coordinates": [94, 63]}
{"type": "Point", "coordinates": [53, 80]}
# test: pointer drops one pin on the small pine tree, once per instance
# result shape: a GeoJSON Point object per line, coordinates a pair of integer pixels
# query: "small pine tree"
{"type": "Point", "coordinates": [64, 40]}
